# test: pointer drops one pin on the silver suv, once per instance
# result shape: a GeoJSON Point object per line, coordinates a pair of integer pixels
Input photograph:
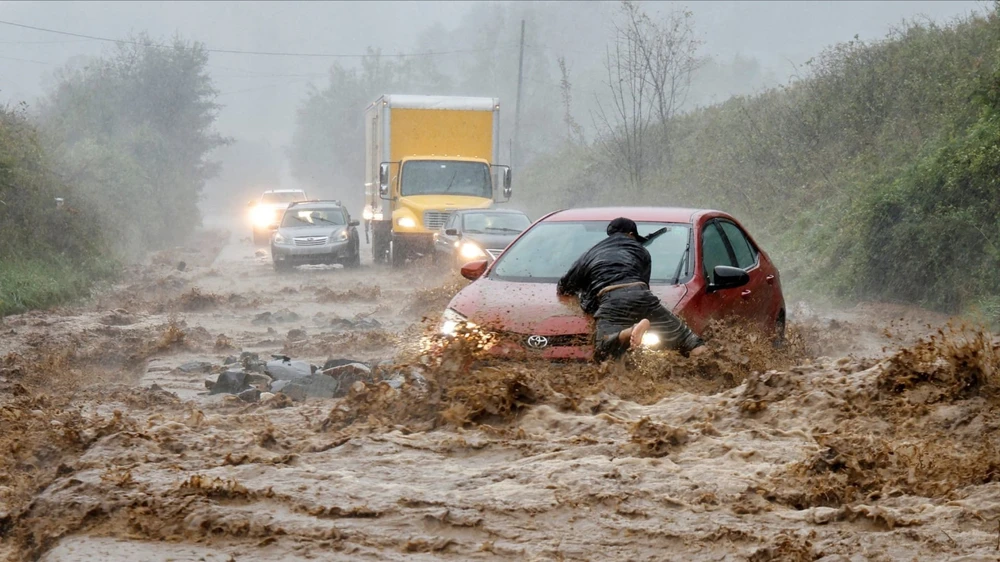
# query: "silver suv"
{"type": "Point", "coordinates": [315, 232]}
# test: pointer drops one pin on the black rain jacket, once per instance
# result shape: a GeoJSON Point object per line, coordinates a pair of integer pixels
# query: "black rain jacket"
{"type": "Point", "coordinates": [615, 260]}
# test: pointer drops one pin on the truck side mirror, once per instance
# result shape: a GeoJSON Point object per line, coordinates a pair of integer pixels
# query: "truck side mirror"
{"type": "Point", "coordinates": [506, 180]}
{"type": "Point", "coordinates": [383, 179]}
{"type": "Point", "coordinates": [506, 192]}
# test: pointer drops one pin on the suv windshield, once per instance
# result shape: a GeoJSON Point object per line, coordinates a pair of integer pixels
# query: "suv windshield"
{"type": "Point", "coordinates": [438, 177]}
{"type": "Point", "coordinates": [546, 252]}
{"type": "Point", "coordinates": [494, 223]}
{"type": "Point", "coordinates": [313, 217]}
{"type": "Point", "coordinates": [283, 197]}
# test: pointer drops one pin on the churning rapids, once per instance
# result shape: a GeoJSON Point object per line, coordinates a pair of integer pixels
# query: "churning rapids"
{"type": "Point", "coordinates": [872, 436]}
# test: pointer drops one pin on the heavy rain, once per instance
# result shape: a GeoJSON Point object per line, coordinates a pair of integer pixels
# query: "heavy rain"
{"type": "Point", "coordinates": [303, 281]}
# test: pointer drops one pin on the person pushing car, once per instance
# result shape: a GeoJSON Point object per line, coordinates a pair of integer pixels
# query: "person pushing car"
{"type": "Point", "coordinates": [611, 279]}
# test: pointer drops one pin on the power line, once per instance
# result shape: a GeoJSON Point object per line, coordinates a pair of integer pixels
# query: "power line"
{"type": "Point", "coordinates": [239, 52]}
{"type": "Point", "coordinates": [28, 60]}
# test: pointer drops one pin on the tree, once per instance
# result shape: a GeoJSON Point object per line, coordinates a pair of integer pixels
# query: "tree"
{"type": "Point", "coordinates": [574, 133]}
{"type": "Point", "coordinates": [133, 130]}
{"type": "Point", "coordinates": [649, 67]}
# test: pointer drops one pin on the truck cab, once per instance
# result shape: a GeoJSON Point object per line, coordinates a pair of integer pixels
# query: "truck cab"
{"type": "Point", "coordinates": [426, 157]}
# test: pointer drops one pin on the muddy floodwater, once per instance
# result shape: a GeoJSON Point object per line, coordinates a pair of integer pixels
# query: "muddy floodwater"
{"type": "Point", "coordinates": [871, 436]}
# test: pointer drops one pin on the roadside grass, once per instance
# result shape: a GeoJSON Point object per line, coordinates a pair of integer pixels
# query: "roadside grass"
{"type": "Point", "coordinates": [32, 283]}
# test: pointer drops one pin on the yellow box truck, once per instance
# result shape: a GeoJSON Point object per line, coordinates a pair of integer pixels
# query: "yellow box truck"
{"type": "Point", "coordinates": [426, 156]}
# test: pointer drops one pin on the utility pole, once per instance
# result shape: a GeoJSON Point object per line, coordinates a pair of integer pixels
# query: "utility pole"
{"type": "Point", "coordinates": [517, 107]}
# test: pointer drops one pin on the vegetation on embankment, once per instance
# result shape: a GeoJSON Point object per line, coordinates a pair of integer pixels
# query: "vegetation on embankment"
{"type": "Point", "coordinates": [875, 176]}
{"type": "Point", "coordinates": [123, 140]}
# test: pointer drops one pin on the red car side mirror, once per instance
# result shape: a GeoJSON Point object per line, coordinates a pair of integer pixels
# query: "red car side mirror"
{"type": "Point", "coordinates": [474, 270]}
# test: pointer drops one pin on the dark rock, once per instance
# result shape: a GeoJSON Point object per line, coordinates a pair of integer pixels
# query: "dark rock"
{"type": "Point", "coordinates": [285, 315]}
{"type": "Point", "coordinates": [231, 360]}
{"type": "Point", "coordinates": [331, 363]}
{"type": "Point", "coordinates": [263, 318]}
{"type": "Point", "coordinates": [363, 324]}
{"type": "Point", "coordinates": [346, 375]}
{"type": "Point", "coordinates": [295, 391]}
{"type": "Point", "coordinates": [250, 395]}
{"type": "Point", "coordinates": [259, 380]}
{"type": "Point", "coordinates": [317, 386]}
{"type": "Point", "coordinates": [296, 334]}
{"type": "Point", "coordinates": [230, 382]}
{"type": "Point", "coordinates": [181, 266]}
{"type": "Point", "coordinates": [196, 367]}
{"type": "Point", "coordinates": [286, 369]}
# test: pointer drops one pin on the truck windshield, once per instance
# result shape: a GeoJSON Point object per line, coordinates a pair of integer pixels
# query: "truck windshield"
{"type": "Point", "coordinates": [446, 177]}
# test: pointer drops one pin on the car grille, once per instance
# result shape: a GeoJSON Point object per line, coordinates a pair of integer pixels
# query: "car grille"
{"type": "Point", "coordinates": [493, 253]}
{"type": "Point", "coordinates": [569, 340]}
{"type": "Point", "coordinates": [434, 220]}
{"type": "Point", "coordinates": [309, 241]}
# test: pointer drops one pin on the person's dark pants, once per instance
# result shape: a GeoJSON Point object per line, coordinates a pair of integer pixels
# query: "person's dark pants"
{"type": "Point", "coordinates": [620, 309]}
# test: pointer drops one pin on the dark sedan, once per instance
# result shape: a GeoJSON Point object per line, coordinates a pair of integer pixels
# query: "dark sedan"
{"type": "Point", "coordinates": [476, 234]}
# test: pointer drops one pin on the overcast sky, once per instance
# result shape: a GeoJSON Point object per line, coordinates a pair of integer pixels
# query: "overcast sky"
{"type": "Point", "coordinates": [260, 93]}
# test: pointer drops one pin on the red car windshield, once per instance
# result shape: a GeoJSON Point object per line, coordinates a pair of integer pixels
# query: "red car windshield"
{"type": "Point", "coordinates": [546, 251]}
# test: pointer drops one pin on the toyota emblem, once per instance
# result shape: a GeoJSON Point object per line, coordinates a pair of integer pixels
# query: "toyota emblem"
{"type": "Point", "coordinates": [537, 342]}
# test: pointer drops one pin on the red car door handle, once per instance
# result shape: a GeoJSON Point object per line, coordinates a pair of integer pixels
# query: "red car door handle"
{"type": "Point", "coordinates": [769, 279]}
{"type": "Point", "coordinates": [746, 294]}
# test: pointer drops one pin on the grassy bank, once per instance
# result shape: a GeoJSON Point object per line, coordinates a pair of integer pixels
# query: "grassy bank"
{"type": "Point", "coordinates": [27, 284]}
{"type": "Point", "coordinates": [874, 176]}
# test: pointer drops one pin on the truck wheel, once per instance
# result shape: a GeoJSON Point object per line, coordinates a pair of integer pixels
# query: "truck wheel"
{"type": "Point", "coordinates": [379, 249]}
{"type": "Point", "coordinates": [397, 254]}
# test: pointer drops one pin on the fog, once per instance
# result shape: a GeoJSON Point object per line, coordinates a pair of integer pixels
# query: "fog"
{"type": "Point", "coordinates": [753, 45]}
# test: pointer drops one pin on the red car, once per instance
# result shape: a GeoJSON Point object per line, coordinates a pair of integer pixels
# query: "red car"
{"type": "Point", "coordinates": [704, 267]}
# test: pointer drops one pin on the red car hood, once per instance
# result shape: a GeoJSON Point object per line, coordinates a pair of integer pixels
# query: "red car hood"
{"type": "Point", "coordinates": [534, 308]}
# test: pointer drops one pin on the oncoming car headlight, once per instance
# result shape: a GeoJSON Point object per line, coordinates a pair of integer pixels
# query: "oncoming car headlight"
{"type": "Point", "coordinates": [471, 251]}
{"type": "Point", "coordinates": [262, 216]}
{"type": "Point", "coordinates": [406, 222]}
{"type": "Point", "coordinates": [450, 320]}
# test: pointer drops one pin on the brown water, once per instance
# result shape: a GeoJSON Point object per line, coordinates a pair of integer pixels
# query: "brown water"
{"type": "Point", "coordinates": [858, 441]}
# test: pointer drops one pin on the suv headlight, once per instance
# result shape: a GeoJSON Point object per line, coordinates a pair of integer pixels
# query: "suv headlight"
{"type": "Point", "coordinates": [339, 237]}
{"type": "Point", "coordinates": [278, 238]}
{"type": "Point", "coordinates": [471, 251]}
{"type": "Point", "coordinates": [450, 320]}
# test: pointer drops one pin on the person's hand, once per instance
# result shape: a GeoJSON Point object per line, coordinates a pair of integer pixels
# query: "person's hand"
{"type": "Point", "coordinates": [700, 350]}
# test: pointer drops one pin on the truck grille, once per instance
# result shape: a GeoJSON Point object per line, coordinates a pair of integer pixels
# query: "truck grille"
{"type": "Point", "coordinates": [434, 220]}
{"type": "Point", "coordinates": [309, 241]}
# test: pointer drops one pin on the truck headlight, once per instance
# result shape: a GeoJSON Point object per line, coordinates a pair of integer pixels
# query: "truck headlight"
{"type": "Point", "coordinates": [367, 214]}
{"type": "Point", "coordinates": [406, 222]}
{"type": "Point", "coordinates": [649, 339]}
{"type": "Point", "coordinates": [471, 251]}
{"type": "Point", "coordinates": [450, 320]}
